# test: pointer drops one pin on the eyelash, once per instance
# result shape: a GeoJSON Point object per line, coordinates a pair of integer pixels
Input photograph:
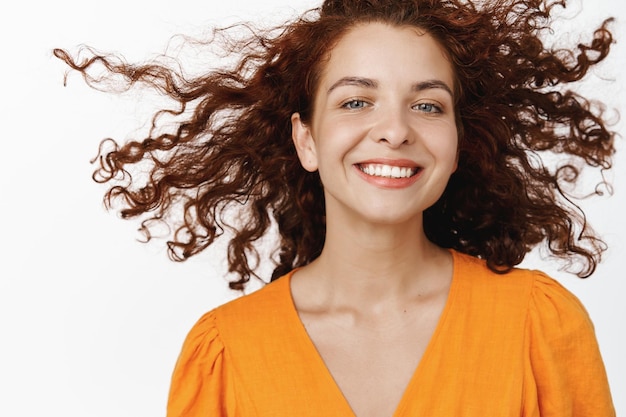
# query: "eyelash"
{"type": "Point", "coordinates": [420, 106]}
{"type": "Point", "coordinates": [347, 104]}
{"type": "Point", "coordinates": [434, 108]}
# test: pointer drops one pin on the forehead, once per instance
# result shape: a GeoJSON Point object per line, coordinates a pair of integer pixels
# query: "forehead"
{"type": "Point", "coordinates": [382, 51]}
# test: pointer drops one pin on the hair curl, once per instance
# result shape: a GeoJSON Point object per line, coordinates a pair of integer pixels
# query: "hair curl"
{"type": "Point", "coordinates": [235, 150]}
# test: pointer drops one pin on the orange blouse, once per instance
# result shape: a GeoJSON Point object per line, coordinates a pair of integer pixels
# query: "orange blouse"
{"type": "Point", "coordinates": [506, 345]}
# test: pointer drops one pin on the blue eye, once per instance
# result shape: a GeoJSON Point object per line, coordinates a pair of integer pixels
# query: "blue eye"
{"type": "Point", "coordinates": [428, 108]}
{"type": "Point", "coordinates": [354, 104]}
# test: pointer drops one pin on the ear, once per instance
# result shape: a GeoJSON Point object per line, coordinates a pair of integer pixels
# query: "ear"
{"type": "Point", "coordinates": [304, 143]}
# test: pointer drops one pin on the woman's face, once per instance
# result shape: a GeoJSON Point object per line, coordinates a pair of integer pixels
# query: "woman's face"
{"type": "Point", "coordinates": [383, 135]}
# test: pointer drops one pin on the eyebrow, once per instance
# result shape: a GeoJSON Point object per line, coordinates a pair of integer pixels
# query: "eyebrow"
{"type": "Point", "coordinates": [358, 81]}
{"type": "Point", "coordinates": [430, 84]}
{"type": "Point", "coordinates": [369, 83]}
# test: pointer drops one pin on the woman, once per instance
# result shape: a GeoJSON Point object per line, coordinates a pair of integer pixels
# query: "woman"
{"type": "Point", "coordinates": [396, 146]}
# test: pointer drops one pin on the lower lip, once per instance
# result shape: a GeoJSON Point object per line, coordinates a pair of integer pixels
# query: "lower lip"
{"type": "Point", "coordinates": [384, 182]}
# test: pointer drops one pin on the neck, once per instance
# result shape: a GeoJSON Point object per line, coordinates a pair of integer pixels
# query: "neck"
{"type": "Point", "coordinates": [373, 264]}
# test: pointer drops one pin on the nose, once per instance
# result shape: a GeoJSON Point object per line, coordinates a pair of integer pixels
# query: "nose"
{"type": "Point", "coordinates": [392, 127]}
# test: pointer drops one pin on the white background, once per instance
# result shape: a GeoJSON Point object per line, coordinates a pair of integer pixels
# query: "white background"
{"type": "Point", "coordinates": [91, 321]}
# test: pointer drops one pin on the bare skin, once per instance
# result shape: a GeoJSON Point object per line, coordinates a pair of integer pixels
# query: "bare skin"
{"type": "Point", "coordinates": [372, 335]}
{"type": "Point", "coordinates": [372, 300]}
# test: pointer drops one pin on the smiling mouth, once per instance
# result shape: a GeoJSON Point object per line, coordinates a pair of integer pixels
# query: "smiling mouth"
{"type": "Point", "coordinates": [388, 171]}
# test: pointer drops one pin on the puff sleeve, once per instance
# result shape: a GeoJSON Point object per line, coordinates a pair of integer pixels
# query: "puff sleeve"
{"type": "Point", "coordinates": [568, 378]}
{"type": "Point", "coordinates": [199, 385]}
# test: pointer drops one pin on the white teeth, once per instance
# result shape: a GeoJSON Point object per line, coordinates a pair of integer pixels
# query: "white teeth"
{"type": "Point", "coordinates": [387, 171]}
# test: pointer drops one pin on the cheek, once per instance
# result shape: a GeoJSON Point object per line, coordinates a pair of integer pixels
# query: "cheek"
{"type": "Point", "coordinates": [336, 140]}
{"type": "Point", "coordinates": [445, 146]}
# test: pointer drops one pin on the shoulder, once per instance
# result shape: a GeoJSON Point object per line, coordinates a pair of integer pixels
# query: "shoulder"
{"type": "Point", "coordinates": [257, 306]}
{"type": "Point", "coordinates": [554, 318]}
{"type": "Point", "coordinates": [248, 317]}
{"type": "Point", "coordinates": [473, 278]}
{"type": "Point", "coordinates": [566, 371]}
{"type": "Point", "coordinates": [231, 336]}
{"type": "Point", "coordinates": [476, 271]}
{"type": "Point", "coordinates": [530, 292]}
{"type": "Point", "coordinates": [244, 314]}
{"type": "Point", "coordinates": [557, 316]}
{"type": "Point", "coordinates": [202, 344]}
{"type": "Point", "coordinates": [198, 376]}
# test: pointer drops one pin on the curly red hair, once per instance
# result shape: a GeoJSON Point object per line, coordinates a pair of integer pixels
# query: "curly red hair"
{"type": "Point", "coordinates": [235, 149]}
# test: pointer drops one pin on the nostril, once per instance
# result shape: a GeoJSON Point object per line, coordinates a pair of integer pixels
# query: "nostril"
{"type": "Point", "coordinates": [394, 142]}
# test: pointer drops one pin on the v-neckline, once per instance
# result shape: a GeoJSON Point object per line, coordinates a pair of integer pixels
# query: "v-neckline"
{"type": "Point", "coordinates": [322, 368]}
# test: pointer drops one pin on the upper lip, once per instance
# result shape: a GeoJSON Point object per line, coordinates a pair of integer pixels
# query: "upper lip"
{"type": "Point", "coordinates": [402, 163]}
